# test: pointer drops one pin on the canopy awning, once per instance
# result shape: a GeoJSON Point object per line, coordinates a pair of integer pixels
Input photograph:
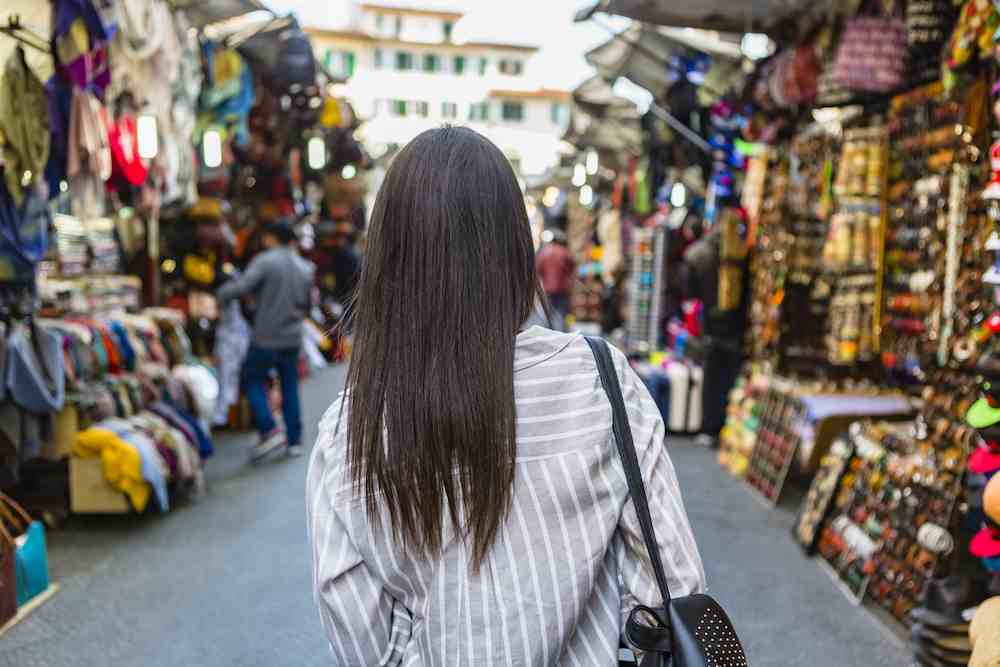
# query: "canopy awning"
{"type": "Point", "coordinates": [603, 120]}
{"type": "Point", "coordinates": [645, 54]}
{"type": "Point", "coordinates": [723, 15]}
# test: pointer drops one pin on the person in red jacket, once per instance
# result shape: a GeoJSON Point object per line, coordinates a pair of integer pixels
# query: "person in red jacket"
{"type": "Point", "coordinates": [556, 269]}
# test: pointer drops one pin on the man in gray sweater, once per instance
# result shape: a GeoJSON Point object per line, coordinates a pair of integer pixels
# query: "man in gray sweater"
{"type": "Point", "coordinates": [281, 283]}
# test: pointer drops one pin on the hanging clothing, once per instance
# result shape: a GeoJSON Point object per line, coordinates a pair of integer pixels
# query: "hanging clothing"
{"type": "Point", "coordinates": [80, 37]}
{"type": "Point", "coordinates": [123, 140]}
{"type": "Point", "coordinates": [60, 101]}
{"type": "Point", "coordinates": [88, 160]}
{"type": "Point", "coordinates": [35, 384]}
{"type": "Point", "coordinates": [232, 340]}
{"type": "Point", "coordinates": [24, 234]}
{"type": "Point", "coordinates": [24, 125]}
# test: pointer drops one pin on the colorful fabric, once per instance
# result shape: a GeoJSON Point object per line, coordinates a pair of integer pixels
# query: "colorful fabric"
{"type": "Point", "coordinates": [81, 38]}
{"type": "Point", "coordinates": [121, 462]}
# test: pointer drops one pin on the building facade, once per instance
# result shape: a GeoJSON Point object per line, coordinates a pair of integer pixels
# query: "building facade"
{"type": "Point", "coordinates": [406, 72]}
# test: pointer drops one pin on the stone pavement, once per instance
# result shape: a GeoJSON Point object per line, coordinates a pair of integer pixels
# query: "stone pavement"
{"type": "Point", "coordinates": [226, 581]}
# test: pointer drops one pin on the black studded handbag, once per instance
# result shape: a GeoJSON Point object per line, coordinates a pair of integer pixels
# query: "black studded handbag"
{"type": "Point", "coordinates": [691, 631]}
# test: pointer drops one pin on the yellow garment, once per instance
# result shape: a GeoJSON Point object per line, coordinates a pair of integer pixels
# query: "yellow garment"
{"type": "Point", "coordinates": [120, 460]}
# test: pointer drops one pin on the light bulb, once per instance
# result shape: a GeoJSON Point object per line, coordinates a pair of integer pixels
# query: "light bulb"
{"type": "Point", "coordinates": [755, 45]}
{"type": "Point", "coordinates": [586, 195]}
{"type": "Point", "coordinates": [148, 137]}
{"type": "Point", "coordinates": [592, 162]}
{"type": "Point", "coordinates": [349, 171]}
{"type": "Point", "coordinates": [678, 195]}
{"type": "Point", "coordinates": [579, 175]}
{"type": "Point", "coordinates": [212, 148]}
{"type": "Point", "coordinates": [316, 151]}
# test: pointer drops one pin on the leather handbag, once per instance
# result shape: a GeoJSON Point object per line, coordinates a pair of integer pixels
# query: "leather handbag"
{"type": "Point", "coordinates": [8, 578]}
{"type": "Point", "coordinates": [690, 631]}
{"type": "Point", "coordinates": [873, 53]}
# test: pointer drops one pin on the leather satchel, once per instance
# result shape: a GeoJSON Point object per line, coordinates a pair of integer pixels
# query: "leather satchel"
{"type": "Point", "coordinates": [690, 631]}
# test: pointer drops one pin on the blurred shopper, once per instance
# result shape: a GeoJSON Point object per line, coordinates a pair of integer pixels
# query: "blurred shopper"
{"type": "Point", "coordinates": [466, 501]}
{"type": "Point", "coordinates": [557, 269]}
{"type": "Point", "coordinates": [280, 282]}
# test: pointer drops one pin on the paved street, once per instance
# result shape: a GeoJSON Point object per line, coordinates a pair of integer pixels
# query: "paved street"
{"type": "Point", "coordinates": [225, 581]}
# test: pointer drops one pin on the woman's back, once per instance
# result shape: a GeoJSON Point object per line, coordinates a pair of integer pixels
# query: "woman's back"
{"type": "Point", "coordinates": [568, 558]}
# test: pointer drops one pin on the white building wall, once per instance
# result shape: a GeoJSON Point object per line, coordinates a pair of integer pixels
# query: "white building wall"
{"type": "Point", "coordinates": [533, 142]}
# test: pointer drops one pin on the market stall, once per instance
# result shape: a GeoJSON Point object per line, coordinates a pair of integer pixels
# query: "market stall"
{"type": "Point", "coordinates": [842, 273]}
{"type": "Point", "coordinates": [143, 146]}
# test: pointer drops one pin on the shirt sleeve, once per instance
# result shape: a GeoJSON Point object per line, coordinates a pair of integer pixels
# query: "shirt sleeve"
{"type": "Point", "coordinates": [364, 624]}
{"type": "Point", "coordinates": [242, 284]}
{"type": "Point", "coordinates": [678, 550]}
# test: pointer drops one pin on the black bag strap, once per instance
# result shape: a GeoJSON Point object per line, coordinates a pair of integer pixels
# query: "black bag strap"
{"type": "Point", "coordinates": [630, 460]}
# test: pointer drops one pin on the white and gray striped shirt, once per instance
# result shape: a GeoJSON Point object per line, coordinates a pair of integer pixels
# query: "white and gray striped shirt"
{"type": "Point", "coordinates": [569, 561]}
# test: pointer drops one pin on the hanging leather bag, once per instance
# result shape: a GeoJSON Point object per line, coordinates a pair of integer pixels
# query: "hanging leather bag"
{"type": "Point", "coordinates": [690, 631]}
{"type": "Point", "coordinates": [873, 53]}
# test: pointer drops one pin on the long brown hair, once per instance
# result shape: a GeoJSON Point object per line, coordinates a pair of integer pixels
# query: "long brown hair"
{"type": "Point", "coordinates": [448, 280]}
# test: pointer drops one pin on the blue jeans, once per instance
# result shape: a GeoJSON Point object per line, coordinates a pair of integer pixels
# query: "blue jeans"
{"type": "Point", "coordinates": [257, 367]}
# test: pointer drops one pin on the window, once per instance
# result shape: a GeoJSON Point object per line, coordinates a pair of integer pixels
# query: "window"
{"type": "Point", "coordinates": [347, 63]}
{"type": "Point", "coordinates": [458, 65]}
{"type": "Point", "coordinates": [398, 27]}
{"type": "Point", "coordinates": [480, 111]}
{"type": "Point", "coordinates": [558, 113]}
{"type": "Point", "coordinates": [404, 61]}
{"type": "Point", "coordinates": [511, 67]}
{"type": "Point", "coordinates": [449, 110]}
{"type": "Point", "coordinates": [420, 109]}
{"type": "Point", "coordinates": [483, 64]}
{"type": "Point", "coordinates": [340, 63]}
{"type": "Point", "coordinates": [512, 111]}
{"type": "Point", "coordinates": [399, 108]}
{"type": "Point", "coordinates": [432, 63]}
{"type": "Point", "coordinates": [380, 24]}
{"type": "Point", "coordinates": [448, 28]}
{"type": "Point", "coordinates": [379, 59]}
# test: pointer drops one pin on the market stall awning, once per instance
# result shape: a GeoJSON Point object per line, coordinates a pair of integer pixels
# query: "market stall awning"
{"type": "Point", "coordinates": [646, 54]}
{"type": "Point", "coordinates": [205, 12]}
{"type": "Point", "coordinates": [603, 120]}
{"type": "Point", "coordinates": [723, 15]}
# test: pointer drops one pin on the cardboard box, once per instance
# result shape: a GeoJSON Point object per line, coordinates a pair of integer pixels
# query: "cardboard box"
{"type": "Point", "coordinates": [89, 491]}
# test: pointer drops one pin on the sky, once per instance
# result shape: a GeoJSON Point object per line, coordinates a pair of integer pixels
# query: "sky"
{"type": "Point", "coordinates": [545, 23]}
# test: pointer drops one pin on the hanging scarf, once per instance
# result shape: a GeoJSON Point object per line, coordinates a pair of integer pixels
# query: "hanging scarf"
{"type": "Point", "coordinates": [24, 124]}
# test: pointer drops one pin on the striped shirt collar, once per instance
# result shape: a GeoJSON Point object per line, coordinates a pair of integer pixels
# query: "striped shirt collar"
{"type": "Point", "coordinates": [538, 344]}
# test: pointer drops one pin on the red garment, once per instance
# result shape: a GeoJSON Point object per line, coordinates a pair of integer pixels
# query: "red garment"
{"type": "Point", "coordinates": [556, 268]}
{"type": "Point", "coordinates": [126, 163]}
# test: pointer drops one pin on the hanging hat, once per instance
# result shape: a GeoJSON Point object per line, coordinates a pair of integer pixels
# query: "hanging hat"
{"type": "Point", "coordinates": [984, 461]}
{"type": "Point", "coordinates": [991, 501]}
{"type": "Point", "coordinates": [924, 635]}
{"type": "Point", "coordinates": [986, 543]}
{"type": "Point", "coordinates": [982, 414]}
{"type": "Point", "coordinates": [982, 632]}
{"type": "Point", "coordinates": [935, 656]}
{"type": "Point", "coordinates": [944, 602]}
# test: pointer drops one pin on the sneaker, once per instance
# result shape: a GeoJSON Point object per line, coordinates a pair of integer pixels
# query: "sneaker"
{"type": "Point", "coordinates": [295, 450]}
{"type": "Point", "coordinates": [268, 444]}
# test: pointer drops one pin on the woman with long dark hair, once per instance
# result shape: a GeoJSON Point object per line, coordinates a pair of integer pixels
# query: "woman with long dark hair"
{"type": "Point", "coordinates": [466, 502]}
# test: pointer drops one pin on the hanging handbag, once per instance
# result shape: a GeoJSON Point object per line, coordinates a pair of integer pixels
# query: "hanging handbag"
{"type": "Point", "coordinates": [873, 53]}
{"type": "Point", "coordinates": [691, 631]}
{"type": "Point", "coordinates": [8, 578]}
{"type": "Point", "coordinates": [31, 556]}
